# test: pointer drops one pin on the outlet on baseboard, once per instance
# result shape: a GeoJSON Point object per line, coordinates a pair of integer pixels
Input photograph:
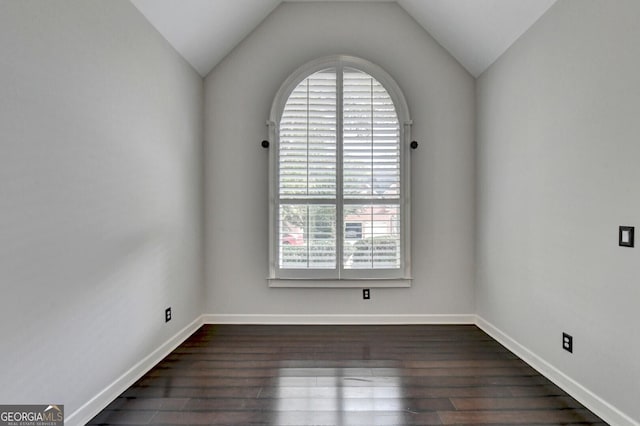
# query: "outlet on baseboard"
{"type": "Point", "coordinates": [167, 314]}
{"type": "Point", "coordinates": [567, 342]}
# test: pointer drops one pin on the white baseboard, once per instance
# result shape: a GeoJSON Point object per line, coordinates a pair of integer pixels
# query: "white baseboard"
{"type": "Point", "coordinates": [337, 319]}
{"type": "Point", "coordinates": [96, 404]}
{"type": "Point", "coordinates": [593, 402]}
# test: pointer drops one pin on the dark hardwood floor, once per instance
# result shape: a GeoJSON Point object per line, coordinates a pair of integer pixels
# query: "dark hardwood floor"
{"type": "Point", "coordinates": [343, 375]}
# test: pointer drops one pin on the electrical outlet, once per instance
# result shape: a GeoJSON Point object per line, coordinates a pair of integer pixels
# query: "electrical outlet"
{"type": "Point", "coordinates": [167, 314]}
{"type": "Point", "coordinates": [366, 294]}
{"type": "Point", "coordinates": [625, 236]}
{"type": "Point", "coordinates": [567, 342]}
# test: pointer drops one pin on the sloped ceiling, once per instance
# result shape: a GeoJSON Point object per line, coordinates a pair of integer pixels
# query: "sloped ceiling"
{"type": "Point", "coordinates": [475, 32]}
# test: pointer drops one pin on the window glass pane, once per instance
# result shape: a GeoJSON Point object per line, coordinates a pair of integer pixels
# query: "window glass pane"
{"type": "Point", "coordinates": [307, 147]}
{"type": "Point", "coordinates": [378, 244]}
{"type": "Point", "coordinates": [307, 237]}
{"type": "Point", "coordinates": [371, 145]}
{"type": "Point", "coordinates": [353, 230]}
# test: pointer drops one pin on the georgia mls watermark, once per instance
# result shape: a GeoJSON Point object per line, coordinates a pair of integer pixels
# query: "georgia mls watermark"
{"type": "Point", "coordinates": [32, 415]}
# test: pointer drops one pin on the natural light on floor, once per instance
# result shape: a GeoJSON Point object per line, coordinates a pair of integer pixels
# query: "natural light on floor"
{"type": "Point", "coordinates": [339, 396]}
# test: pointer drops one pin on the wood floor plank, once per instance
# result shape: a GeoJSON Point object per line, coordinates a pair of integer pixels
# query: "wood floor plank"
{"type": "Point", "coordinates": [343, 375]}
{"type": "Point", "coordinates": [517, 417]}
{"type": "Point", "coordinates": [546, 402]}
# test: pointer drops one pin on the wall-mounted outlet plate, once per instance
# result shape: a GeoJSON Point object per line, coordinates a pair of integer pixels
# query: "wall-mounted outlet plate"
{"type": "Point", "coordinates": [167, 314]}
{"type": "Point", "coordinates": [625, 236]}
{"type": "Point", "coordinates": [366, 294]}
{"type": "Point", "coordinates": [567, 342]}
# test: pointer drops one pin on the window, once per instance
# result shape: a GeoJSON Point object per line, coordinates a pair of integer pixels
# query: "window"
{"type": "Point", "coordinates": [353, 230]}
{"type": "Point", "coordinates": [339, 174]}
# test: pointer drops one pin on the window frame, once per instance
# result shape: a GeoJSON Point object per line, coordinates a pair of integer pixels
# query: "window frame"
{"type": "Point", "coordinates": [340, 277]}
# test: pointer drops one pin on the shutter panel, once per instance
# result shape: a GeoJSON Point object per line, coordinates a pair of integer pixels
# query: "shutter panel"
{"type": "Point", "coordinates": [307, 236]}
{"type": "Point", "coordinates": [308, 139]}
{"type": "Point", "coordinates": [371, 145]}
{"type": "Point", "coordinates": [308, 175]}
{"type": "Point", "coordinates": [379, 244]}
{"type": "Point", "coordinates": [371, 167]}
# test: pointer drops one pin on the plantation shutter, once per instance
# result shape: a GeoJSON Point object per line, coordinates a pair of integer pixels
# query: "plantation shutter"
{"type": "Point", "coordinates": [371, 139]}
{"type": "Point", "coordinates": [307, 184]}
{"type": "Point", "coordinates": [308, 139]}
{"type": "Point", "coordinates": [338, 206]}
{"type": "Point", "coordinates": [371, 170]}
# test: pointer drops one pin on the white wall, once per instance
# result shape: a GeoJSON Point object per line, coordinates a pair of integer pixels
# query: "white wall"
{"type": "Point", "coordinates": [100, 196]}
{"type": "Point", "coordinates": [558, 172]}
{"type": "Point", "coordinates": [100, 186]}
{"type": "Point", "coordinates": [239, 93]}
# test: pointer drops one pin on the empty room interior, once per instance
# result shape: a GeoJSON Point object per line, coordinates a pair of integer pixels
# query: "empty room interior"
{"type": "Point", "coordinates": [151, 205]}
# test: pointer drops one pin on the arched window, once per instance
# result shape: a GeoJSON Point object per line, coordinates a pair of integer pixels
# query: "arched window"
{"type": "Point", "coordinates": [339, 174]}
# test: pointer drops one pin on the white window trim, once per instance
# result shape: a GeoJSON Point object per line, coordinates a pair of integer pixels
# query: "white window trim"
{"type": "Point", "coordinates": [319, 278]}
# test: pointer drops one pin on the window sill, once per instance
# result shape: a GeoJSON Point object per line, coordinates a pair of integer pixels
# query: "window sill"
{"type": "Point", "coordinates": [340, 283]}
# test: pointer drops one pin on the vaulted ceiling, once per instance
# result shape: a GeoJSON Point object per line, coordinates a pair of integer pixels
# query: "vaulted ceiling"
{"type": "Point", "coordinates": [475, 32]}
